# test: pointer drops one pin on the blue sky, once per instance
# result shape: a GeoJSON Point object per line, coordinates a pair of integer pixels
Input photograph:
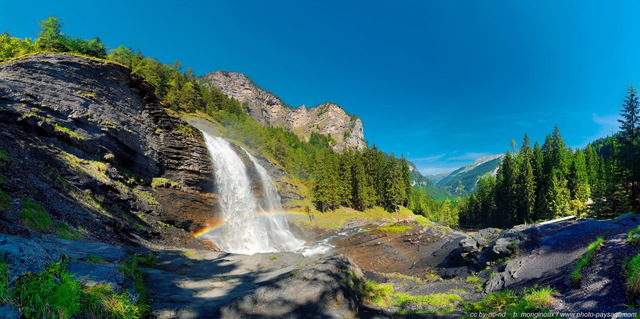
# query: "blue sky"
{"type": "Point", "coordinates": [442, 82]}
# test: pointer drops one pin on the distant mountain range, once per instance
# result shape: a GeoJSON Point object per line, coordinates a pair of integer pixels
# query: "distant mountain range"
{"type": "Point", "coordinates": [464, 180]}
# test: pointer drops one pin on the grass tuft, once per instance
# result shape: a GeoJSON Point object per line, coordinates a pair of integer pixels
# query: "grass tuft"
{"type": "Point", "coordinates": [471, 279]}
{"type": "Point", "coordinates": [632, 271]}
{"type": "Point", "coordinates": [631, 239]}
{"type": "Point", "coordinates": [65, 232]}
{"type": "Point", "coordinates": [513, 305]}
{"type": "Point", "coordinates": [576, 274]}
{"type": "Point", "coordinates": [34, 216]}
{"type": "Point", "coordinates": [393, 228]}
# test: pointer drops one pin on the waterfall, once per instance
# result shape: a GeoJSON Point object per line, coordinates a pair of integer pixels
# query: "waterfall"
{"type": "Point", "coordinates": [250, 225]}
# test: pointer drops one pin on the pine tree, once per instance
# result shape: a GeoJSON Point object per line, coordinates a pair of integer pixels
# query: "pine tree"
{"type": "Point", "coordinates": [363, 194]}
{"type": "Point", "coordinates": [629, 148]}
{"type": "Point", "coordinates": [506, 191]}
{"type": "Point", "coordinates": [394, 189]}
{"type": "Point", "coordinates": [579, 178]}
{"type": "Point", "coordinates": [526, 187]}
{"type": "Point", "coordinates": [406, 180]}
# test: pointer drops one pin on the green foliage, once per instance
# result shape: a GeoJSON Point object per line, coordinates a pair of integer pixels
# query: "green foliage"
{"type": "Point", "coordinates": [513, 305]}
{"type": "Point", "coordinates": [534, 184]}
{"type": "Point", "coordinates": [101, 302]}
{"type": "Point", "coordinates": [50, 294]}
{"type": "Point", "coordinates": [375, 293]}
{"type": "Point", "coordinates": [130, 269]}
{"type": "Point", "coordinates": [159, 182]}
{"type": "Point", "coordinates": [34, 216]}
{"type": "Point", "coordinates": [4, 155]}
{"type": "Point", "coordinates": [65, 232]}
{"type": "Point", "coordinates": [576, 274]}
{"type": "Point", "coordinates": [471, 279]}
{"type": "Point", "coordinates": [632, 272]}
{"type": "Point", "coordinates": [393, 228]}
{"type": "Point", "coordinates": [630, 236]}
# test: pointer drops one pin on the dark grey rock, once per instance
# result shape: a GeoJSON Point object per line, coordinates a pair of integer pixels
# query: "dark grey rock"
{"type": "Point", "coordinates": [502, 246]}
{"type": "Point", "coordinates": [27, 255]}
{"type": "Point", "coordinates": [95, 274]}
{"type": "Point", "coordinates": [469, 245]}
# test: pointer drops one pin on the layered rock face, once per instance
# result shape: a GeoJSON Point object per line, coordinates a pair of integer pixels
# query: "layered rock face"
{"type": "Point", "coordinates": [268, 109]}
{"type": "Point", "coordinates": [90, 143]}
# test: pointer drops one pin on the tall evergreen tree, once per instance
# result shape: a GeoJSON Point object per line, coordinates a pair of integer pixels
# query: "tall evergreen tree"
{"type": "Point", "coordinates": [506, 191]}
{"type": "Point", "coordinates": [629, 148]}
{"type": "Point", "coordinates": [394, 190]}
{"type": "Point", "coordinates": [526, 187]}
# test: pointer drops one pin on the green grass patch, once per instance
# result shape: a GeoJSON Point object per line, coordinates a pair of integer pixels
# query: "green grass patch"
{"type": "Point", "coordinates": [435, 300]}
{"type": "Point", "coordinates": [4, 155]}
{"type": "Point", "coordinates": [65, 232]}
{"type": "Point", "coordinates": [100, 301]}
{"type": "Point", "coordinates": [51, 294]}
{"type": "Point", "coordinates": [89, 95]}
{"type": "Point", "coordinates": [55, 294]}
{"type": "Point", "coordinates": [423, 220]}
{"type": "Point", "coordinates": [145, 197]}
{"type": "Point", "coordinates": [336, 219]}
{"type": "Point", "coordinates": [576, 274]}
{"type": "Point", "coordinates": [272, 257]}
{"type": "Point", "coordinates": [393, 228]}
{"type": "Point", "coordinates": [130, 269]}
{"type": "Point", "coordinates": [513, 305]}
{"type": "Point", "coordinates": [5, 201]}
{"type": "Point", "coordinates": [159, 182]}
{"type": "Point", "coordinates": [35, 216]}
{"type": "Point", "coordinates": [187, 130]}
{"type": "Point", "coordinates": [383, 295]}
{"type": "Point", "coordinates": [67, 131]}
{"type": "Point", "coordinates": [471, 279]}
{"type": "Point", "coordinates": [634, 241]}
{"type": "Point", "coordinates": [632, 272]}
{"type": "Point", "coordinates": [95, 259]}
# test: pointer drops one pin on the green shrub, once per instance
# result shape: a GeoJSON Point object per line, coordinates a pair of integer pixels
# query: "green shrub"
{"type": "Point", "coordinates": [34, 216]}
{"type": "Point", "coordinates": [4, 155]}
{"type": "Point", "coordinates": [576, 275]}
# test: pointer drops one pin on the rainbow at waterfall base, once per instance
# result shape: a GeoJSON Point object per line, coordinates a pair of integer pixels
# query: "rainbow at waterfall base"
{"type": "Point", "coordinates": [219, 224]}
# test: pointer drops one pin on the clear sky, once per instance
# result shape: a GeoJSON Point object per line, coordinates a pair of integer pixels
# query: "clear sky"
{"type": "Point", "coordinates": [442, 82]}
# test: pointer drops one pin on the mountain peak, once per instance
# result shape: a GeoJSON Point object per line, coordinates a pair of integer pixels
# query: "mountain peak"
{"type": "Point", "coordinates": [327, 118]}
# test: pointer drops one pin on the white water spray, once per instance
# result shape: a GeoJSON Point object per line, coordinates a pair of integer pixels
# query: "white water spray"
{"type": "Point", "coordinates": [245, 231]}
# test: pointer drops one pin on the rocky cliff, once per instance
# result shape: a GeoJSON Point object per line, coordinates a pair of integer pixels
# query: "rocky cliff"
{"type": "Point", "coordinates": [89, 143]}
{"type": "Point", "coordinates": [268, 109]}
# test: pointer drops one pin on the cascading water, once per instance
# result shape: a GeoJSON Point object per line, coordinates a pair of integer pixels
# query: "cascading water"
{"type": "Point", "coordinates": [277, 226]}
{"type": "Point", "coordinates": [245, 231]}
